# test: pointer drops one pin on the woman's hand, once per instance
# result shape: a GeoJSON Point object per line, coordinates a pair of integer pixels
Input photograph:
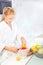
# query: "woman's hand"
{"type": "Point", "coordinates": [23, 41]}
{"type": "Point", "coordinates": [29, 53]}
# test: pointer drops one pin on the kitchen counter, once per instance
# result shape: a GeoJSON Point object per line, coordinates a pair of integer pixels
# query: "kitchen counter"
{"type": "Point", "coordinates": [12, 60]}
{"type": "Point", "coordinates": [32, 60]}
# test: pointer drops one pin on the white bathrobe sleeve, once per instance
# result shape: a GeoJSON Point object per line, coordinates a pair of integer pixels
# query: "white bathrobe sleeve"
{"type": "Point", "coordinates": [2, 40]}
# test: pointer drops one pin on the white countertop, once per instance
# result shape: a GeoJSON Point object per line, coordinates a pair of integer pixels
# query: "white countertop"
{"type": "Point", "coordinates": [12, 61]}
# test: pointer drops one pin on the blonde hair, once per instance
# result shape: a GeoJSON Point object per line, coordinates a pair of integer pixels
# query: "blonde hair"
{"type": "Point", "coordinates": [7, 11]}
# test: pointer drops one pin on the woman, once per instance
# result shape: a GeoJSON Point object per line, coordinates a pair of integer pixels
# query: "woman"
{"type": "Point", "coordinates": [10, 38]}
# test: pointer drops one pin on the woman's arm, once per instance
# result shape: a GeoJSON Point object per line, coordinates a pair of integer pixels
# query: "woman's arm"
{"type": "Point", "coordinates": [12, 49]}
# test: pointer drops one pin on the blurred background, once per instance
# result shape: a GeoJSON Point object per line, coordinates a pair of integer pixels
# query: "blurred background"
{"type": "Point", "coordinates": [29, 17]}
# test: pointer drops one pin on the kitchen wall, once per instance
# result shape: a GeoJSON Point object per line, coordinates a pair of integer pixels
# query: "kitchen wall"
{"type": "Point", "coordinates": [29, 17]}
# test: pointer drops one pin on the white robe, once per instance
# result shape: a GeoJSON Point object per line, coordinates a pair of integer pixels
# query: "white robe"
{"type": "Point", "coordinates": [9, 37]}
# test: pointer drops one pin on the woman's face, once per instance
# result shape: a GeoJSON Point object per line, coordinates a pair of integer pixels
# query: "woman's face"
{"type": "Point", "coordinates": [9, 18]}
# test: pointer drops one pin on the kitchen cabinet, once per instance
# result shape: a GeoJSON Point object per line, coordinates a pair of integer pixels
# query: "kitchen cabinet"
{"type": "Point", "coordinates": [4, 3]}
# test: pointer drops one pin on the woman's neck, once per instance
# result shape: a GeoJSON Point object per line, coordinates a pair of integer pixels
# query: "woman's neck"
{"type": "Point", "coordinates": [9, 24]}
